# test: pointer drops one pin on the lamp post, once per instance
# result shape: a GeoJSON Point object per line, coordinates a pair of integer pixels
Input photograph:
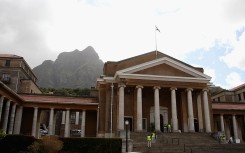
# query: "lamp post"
{"type": "Point", "coordinates": [126, 123]}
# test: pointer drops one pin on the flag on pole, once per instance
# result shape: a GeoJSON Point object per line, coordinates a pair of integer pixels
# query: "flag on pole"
{"type": "Point", "coordinates": [157, 29]}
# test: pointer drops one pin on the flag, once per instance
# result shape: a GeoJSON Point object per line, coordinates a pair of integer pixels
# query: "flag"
{"type": "Point", "coordinates": [157, 29]}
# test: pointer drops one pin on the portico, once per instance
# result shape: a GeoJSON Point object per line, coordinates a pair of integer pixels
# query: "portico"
{"type": "Point", "coordinates": [154, 92]}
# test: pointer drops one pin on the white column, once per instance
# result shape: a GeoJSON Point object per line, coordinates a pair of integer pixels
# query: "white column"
{"type": "Point", "coordinates": [17, 123]}
{"type": "Point", "coordinates": [6, 116]}
{"type": "Point", "coordinates": [63, 117]}
{"type": "Point", "coordinates": [1, 106]}
{"type": "Point", "coordinates": [139, 108]}
{"type": "Point", "coordinates": [199, 110]}
{"type": "Point", "coordinates": [51, 121]}
{"type": "Point", "coordinates": [121, 108]}
{"type": "Point", "coordinates": [174, 110]}
{"type": "Point", "coordinates": [54, 123]}
{"type": "Point", "coordinates": [222, 123]}
{"type": "Point", "coordinates": [77, 118]}
{"type": "Point", "coordinates": [157, 108]}
{"type": "Point", "coordinates": [234, 127]}
{"type": "Point", "coordinates": [206, 111]}
{"type": "Point", "coordinates": [83, 123]}
{"type": "Point", "coordinates": [38, 126]}
{"type": "Point", "coordinates": [11, 122]}
{"type": "Point", "coordinates": [34, 122]}
{"type": "Point", "coordinates": [190, 111]}
{"type": "Point", "coordinates": [67, 124]}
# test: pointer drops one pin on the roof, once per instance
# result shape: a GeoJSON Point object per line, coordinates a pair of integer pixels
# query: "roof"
{"type": "Point", "coordinates": [225, 106]}
{"type": "Point", "coordinates": [137, 60]}
{"type": "Point", "coordinates": [238, 87]}
{"type": "Point", "coordinates": [59, 99]}
{"type": "Point", "coordinates": [9, 56]}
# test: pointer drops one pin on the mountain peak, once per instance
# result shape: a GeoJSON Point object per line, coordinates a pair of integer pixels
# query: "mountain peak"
{"type": "Point", "coordinates": [75, 69]}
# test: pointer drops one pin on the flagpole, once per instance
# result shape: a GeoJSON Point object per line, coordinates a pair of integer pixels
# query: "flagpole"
{"type": "Point", "coordinates": [156, 39]}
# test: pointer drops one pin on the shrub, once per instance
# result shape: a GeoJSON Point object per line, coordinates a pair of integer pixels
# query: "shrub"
{"type": "Point", "coordinates": [48, 144]}
{"type": "Point", "coordinates": [2, 134]}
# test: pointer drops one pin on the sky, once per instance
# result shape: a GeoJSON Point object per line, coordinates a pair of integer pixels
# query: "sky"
{"type": "Point", "coordinates": [203, 33]}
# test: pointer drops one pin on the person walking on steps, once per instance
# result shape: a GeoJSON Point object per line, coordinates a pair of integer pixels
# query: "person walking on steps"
{"type": "Point", "coordinates": [153, 137]}
{"type": "Point", "coordinates": [149, 141]}
{"type": "Point", "coordinates": [169, 128]}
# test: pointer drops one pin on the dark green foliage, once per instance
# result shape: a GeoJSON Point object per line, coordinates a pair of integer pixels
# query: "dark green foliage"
{"type": "Point", "coordinates": [92, 145]}
{"type": "Point", "coordinates": [15, 143]}
{"type": "Point", "coordinates": [66, 91]}
{"type": "Point", "coordinates": [2, 134]}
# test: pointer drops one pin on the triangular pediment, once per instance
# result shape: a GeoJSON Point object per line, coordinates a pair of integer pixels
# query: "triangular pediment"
{"type": "Point", "coordinates": [163, 69]}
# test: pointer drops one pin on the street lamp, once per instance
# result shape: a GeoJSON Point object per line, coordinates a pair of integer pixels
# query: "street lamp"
{"type": "Point", "coordinates": [126, 123]}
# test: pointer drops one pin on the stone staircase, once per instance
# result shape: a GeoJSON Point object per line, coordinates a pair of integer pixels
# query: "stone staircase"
{"type": "Point", "coordinates": [183, 143]}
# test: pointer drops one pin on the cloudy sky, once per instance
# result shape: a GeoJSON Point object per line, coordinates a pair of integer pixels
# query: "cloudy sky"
{"type": "Point", "coordinates": [205, 33]}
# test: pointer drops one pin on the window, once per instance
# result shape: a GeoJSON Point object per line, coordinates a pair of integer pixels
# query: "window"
{"type": "Point", "coordinates": [7, 63]}
{"type": "Point", "coordinates": [6, 78]}
{"type": "Point", "coordinates": [243, 95]}
{"type": "Point", "coordinates": [239, 97]}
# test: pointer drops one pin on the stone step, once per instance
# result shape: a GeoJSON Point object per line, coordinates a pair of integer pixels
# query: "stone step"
{"type": "Point", "coordinates": [172, 142]}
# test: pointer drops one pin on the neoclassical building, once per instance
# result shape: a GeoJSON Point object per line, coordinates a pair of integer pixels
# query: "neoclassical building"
{"type": "Point", "coordinates": [151, 90]}
{"type": "Point", "coordinates": [229, 112]}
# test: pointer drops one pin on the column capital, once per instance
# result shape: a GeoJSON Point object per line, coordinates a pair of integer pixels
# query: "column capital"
{"type": "Point", "coordinates": [121, 85]}
{"type": "Point", "coordinates": [139, 86]}
{"type": "Point", "coordinates": [205, 89]}
{"type": "Point", "coordinates": [156, 87]}
{"type": "Point", "coordinates": [189, 89]}
{"type": "Point", "coordinates": [3, 97]}
{"type": "Point", "coordinates": [173, 88]}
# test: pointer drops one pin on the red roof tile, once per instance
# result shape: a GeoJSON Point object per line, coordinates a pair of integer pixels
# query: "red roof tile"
{"type": "Point", "coordinates": [52, 98]}
{"type": "Point", "coordinates": [238, 87]}
{"type": "Point", "coordinates": [10, 56]}
{"type": "Point", "coordinates": [228, 106]}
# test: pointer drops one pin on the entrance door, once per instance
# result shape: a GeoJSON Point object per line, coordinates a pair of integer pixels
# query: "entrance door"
{"type": "Point", "coordinates": [196, 125]}
{"type": "Point", "coordinates": [161, 122]}
{"type": "Point", "coordinates": [163, 116]}
{"type": "Point", "coordinates": [130, 120]}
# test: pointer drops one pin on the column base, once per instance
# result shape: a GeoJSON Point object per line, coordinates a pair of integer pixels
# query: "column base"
{"type": "Point", "coordinates": [122, 134]}
{"type": "Point", "coordinates": [191, 131]}
{"type": "Point", "coordinates": [109, 135]}
{"type": "Point", "coordinates": [237, 141]}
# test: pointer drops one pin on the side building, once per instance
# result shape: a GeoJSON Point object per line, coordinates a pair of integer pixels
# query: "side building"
{"type": "Point", "coordinates": [229, 112]}
{"type": "Point", "coordinates": [17, 74]}
{"type": "Point", "coordinates": [25, 110]}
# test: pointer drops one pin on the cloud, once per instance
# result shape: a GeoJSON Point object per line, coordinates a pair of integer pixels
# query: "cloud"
{"type": "Point", "coordinates": [210, 72]}
{"type": "Point", "coordinates": [116, 29]}
{"type": "Point", "coordinates": [22, 29]}
{"type": "Point", "coordinates": [233, 79]}
{"type": "Point", "coordinates": [236, 57]}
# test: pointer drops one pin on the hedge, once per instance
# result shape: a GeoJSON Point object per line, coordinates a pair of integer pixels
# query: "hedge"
{"type": "Point", "coordinates": [20, 143]}
{"type": "Point", "coordinates": [92, 145]}
{"type": "Point", "coordinates": [15, 143]}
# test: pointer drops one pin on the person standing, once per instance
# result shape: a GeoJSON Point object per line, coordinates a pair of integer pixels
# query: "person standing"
{"type": "Point", "coordinates": [149, 140]}
{"type": "Point", "coordinates": [153, 137]}
{"type": "Point", "coordinates": [169, 128]}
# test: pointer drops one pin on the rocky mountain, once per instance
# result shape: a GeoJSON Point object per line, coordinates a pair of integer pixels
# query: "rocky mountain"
{"type": "Point", "coordinates": [76, 69]}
